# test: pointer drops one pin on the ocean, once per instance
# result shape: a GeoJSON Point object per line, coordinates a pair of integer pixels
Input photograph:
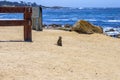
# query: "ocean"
{"type": "Point", "coordinates": [104, 17]}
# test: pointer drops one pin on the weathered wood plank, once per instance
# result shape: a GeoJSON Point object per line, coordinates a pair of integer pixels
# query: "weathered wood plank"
{"type": "Point", "coordinates": [27, 26]}
{"type": "Point", "coordinates": [37, 18]}
{"type": "Point", "coordinates": [12, 9]}
{"type": "Point", "coordinates": [12, 23]}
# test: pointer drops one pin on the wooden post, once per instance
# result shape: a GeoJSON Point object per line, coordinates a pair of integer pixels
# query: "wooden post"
{"type": "Point", "coordinates": [33, 23]}
{"type": "Point", "coordinates": [40, 19]}
{"type": "Point", "coordinates": [37, 18]}
{"type": "Point", "coordinates": [27, 26]}
{"type": "Point", "coordinates": [41, 24]}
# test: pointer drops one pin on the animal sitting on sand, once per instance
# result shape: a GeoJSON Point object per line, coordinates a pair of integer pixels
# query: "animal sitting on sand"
{"type": "Point", "coordinates": [59, 42]}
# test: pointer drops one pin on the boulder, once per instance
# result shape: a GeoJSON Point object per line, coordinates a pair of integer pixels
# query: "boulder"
{"type": "Point", "coordinates": [67, 26]}
{"type": "Point", "coordinates": [55, 25]}
{"type": "Point", "coordinates": [86, 28]}
{"type": "Point", "coordinates": [110, 30]}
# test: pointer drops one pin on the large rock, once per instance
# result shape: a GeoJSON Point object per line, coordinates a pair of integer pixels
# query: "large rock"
{"type": "Point", "coordinates": [86, 28]}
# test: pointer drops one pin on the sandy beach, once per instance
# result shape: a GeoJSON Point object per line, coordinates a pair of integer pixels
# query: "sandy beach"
{"type": "Point", "coordinates": [82, 56]}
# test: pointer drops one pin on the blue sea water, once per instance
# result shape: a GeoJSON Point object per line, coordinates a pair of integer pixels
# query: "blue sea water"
{"type": "Point", "coordinates": [104, 17]}
{"type": "Point", "coordinates": [11, 16]}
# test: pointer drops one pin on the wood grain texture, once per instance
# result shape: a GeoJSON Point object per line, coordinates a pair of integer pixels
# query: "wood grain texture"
{"type": "Point", "coordinates": [27, 23]}
{"type": "Point", "coordinates": [12, 23]}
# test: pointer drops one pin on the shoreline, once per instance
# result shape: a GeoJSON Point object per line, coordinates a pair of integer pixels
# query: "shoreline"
{"type": "Point", "coordinates": [108, 31]}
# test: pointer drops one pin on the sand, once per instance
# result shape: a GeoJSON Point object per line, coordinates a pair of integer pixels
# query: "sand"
{"type": "Point", "coordinates": [82, 57]}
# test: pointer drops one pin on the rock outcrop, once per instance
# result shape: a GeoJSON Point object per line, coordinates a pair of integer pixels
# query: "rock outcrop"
{"type": "Point", "coordinates": [86, 28]}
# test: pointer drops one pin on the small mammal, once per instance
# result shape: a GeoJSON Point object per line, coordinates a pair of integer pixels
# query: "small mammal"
{"type": "Point", "coordinates": [59, 42]}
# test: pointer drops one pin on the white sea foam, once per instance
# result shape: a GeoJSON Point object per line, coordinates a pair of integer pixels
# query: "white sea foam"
{"type": "Point", "coordinates": [81, 8]}
{"type": "Point", "coordinates": [111, 33]}
{"type": "Point", "coordinates": [107, 28]}
{"type": "Point", "coordinates": [113, 21]}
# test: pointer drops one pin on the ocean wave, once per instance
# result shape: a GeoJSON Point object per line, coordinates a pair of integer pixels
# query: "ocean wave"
{"type": "Point", "coordinates": [113, 21]}
{"type": "Point", "coordinates": [90, 19]}
{"type": "Point", "coordinates": [71, 19]}
{"type": "Point", "coordinates": [81, 8]}
{"type": "Point", "coordinates": [45, 15]}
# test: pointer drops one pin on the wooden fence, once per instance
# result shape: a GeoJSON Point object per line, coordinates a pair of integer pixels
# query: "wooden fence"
{"type": "Point", "coordinates": [26, 22]}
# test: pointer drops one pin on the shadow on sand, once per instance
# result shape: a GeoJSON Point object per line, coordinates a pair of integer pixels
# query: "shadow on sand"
{"type": "Point", "coordinates": [12, 41]}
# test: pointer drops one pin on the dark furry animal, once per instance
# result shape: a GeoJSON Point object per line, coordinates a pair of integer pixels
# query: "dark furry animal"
{"type": "Point", "coordinates": [59, 42]}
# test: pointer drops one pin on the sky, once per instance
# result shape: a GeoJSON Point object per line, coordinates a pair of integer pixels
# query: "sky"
{"type": "Point", "coordinates": [76, 3]}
